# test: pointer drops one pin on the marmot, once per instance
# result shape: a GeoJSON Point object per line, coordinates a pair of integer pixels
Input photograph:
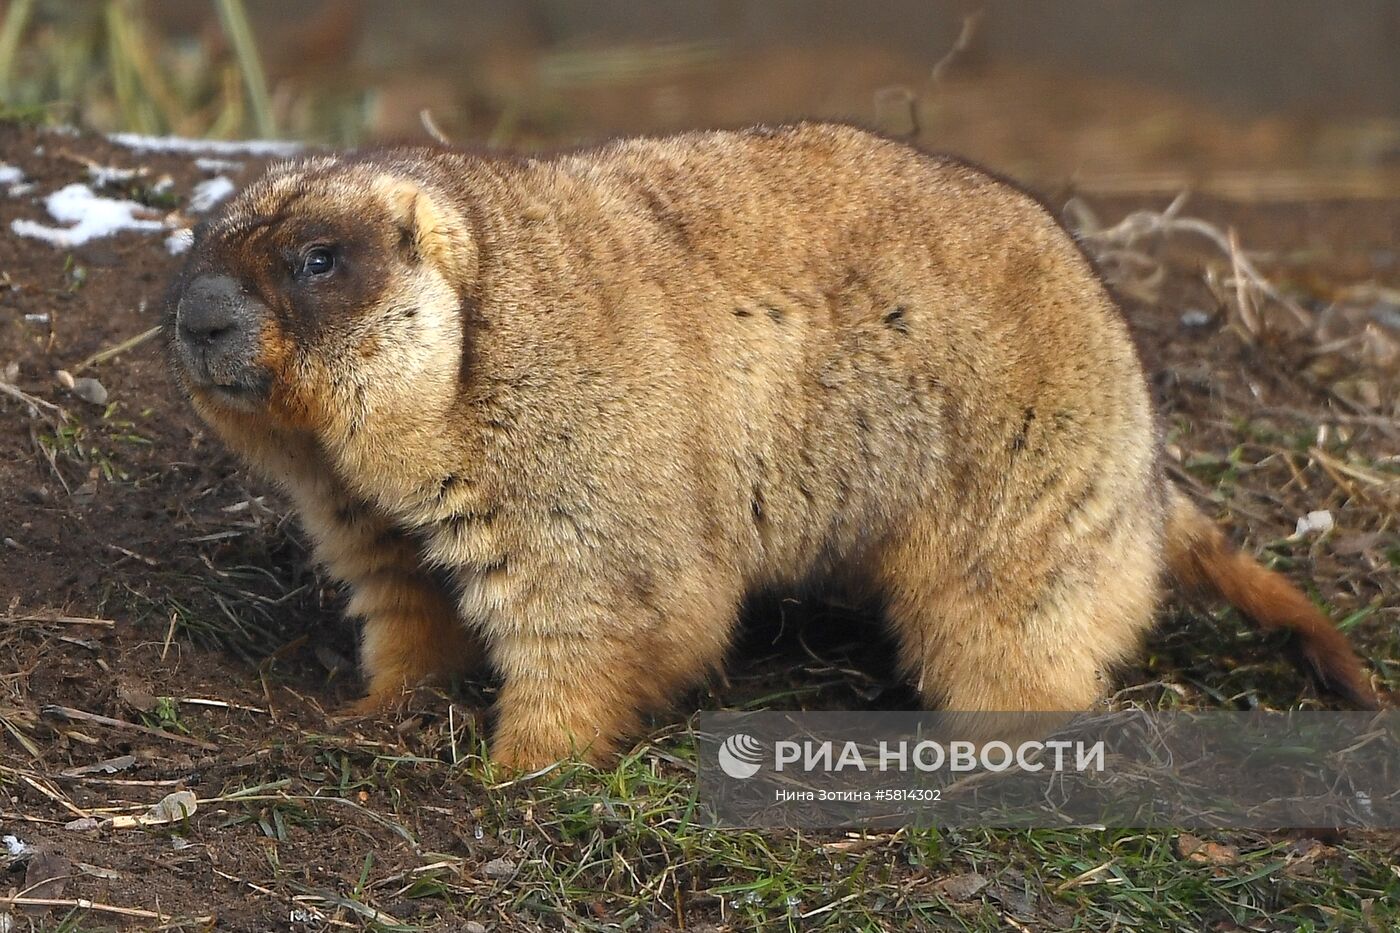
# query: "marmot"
{"type": "Point", "coordinates": [567, 412]}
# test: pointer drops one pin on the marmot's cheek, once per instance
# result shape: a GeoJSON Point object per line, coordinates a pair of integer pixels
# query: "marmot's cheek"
{"type": "Point", "coordinates": [300, 399]}
{"type": "Point", "coordinates": [276, 351]}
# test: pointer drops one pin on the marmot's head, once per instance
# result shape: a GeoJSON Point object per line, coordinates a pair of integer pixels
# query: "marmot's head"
{"type": "Point", "coordinates": [325, 293]}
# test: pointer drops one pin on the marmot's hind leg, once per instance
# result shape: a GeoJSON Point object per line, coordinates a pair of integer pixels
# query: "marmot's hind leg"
{"type": "Point", "coordinates": [1008, 626]}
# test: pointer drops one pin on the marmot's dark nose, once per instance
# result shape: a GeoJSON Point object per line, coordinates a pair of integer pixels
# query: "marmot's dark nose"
{"type": "Point", "coordinates": [212, 311]}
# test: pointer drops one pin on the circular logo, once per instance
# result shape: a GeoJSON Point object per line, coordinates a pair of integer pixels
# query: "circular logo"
{"type": "Point", "coordinates": [740, 755]}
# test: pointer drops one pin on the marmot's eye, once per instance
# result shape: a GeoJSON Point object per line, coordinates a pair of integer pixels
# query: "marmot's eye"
{"type": "Point", "coordinates": [318, 261]}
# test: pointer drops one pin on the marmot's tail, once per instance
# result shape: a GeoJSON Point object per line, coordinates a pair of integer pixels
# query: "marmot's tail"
{"type": "Point", "coordinates": [1199, 556]}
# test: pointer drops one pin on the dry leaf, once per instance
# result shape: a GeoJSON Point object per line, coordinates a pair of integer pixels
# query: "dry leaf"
{"type": "Point", "coordinates": [1198, 850]}
{"type": "Point", "coordinates": [137, 697]}
{"type": "Point", "coordinates": [106, 766]}
{"type": "Point", "coordinates": [961, 887]}
{"type": "Point", "coordinates": [171, 809]}
{"type": "Point", "coordinates": [47, 873]}
{"type": "Point", "coordinates": [499, 868]}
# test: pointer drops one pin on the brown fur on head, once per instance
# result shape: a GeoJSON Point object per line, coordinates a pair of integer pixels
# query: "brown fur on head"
{"type": "Point", "coordinates": [323, 348]}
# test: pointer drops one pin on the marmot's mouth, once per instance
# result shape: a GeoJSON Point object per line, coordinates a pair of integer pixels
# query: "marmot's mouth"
{"type": "Point", "coordinates": [246, 392]}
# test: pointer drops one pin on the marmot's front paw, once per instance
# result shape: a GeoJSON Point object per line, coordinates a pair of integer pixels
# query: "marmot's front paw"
{"type": "Point", "coordinates": [374, 705]}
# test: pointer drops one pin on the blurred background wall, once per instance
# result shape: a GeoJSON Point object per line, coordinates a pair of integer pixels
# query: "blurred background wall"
{"type": "Point", "coordinates": [1090, 91]}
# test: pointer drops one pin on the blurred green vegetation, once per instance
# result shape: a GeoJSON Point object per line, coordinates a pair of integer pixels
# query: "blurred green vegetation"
{"type": "Point", "coordinates": [108, 66]}
{"type": "Point", "coordinates": [130, 65]}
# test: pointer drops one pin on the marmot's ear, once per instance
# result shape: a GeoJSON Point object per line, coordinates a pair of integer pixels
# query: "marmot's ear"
{"type": "Point", "coordinates": [429, 232]}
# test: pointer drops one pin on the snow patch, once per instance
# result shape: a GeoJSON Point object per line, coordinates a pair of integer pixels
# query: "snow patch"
{"type": "Point", "coordinates": [16, 848]}
{"type": "Point", "coordinates": [210, 192]}
{"type": "Point", "coordinates": [253, 147]}
{"type": "Point", "coordinates": [215, 166]}
{"type": "Point", "coordinates": [179, 241]}
{"type": "Point", "coordinates": [1319, 522]}
{"type": "Point", "coordinates": [12, 178]}
{"type": "Point", "coordinates": [103, 175]}
{"type": "Point", "coordinates": [88, 216]}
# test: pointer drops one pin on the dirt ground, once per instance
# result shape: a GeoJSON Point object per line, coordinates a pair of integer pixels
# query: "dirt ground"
{"type": "Point", "coordinates": [146, 578]}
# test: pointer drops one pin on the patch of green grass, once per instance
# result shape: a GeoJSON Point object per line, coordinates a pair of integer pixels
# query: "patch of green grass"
{"type": "Point", "coordinates": [86, 444]}
{"type": "Point", "coordinates": [76, 443]}
{"type": "Point", "coordinates": [165, 715]}
{"type": "Point", "coordinates": [621, 848]}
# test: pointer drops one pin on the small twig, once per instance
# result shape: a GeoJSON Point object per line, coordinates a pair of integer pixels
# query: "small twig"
{"type": "Point", "coordinates": [1287, 457]}
{"type": "Point", "coordinates": [1378, 421]}
{"type": "Point", "coordinates": [82, 903]}
{"type": "Point", "coordinates": [148, 561]}
{"type": "Point", "coordinates": [26, 818]}
{"type": "Point", "coordinates": [1248, 316]}
{"type": "Point", "coordinates": [525, 777]}
{"type": "Point", "coordinates": [219, 704]}
{"type": "Point", "coordinates": [254, 794]}
{"type": "Point", "coordinates": [102, 356]}
{"type": "Point", "coordinates": [34, 402]}
{"type": "Point", "coordinates": [1387, 425]}
{"type": "Point", "coordinates": [965, 35]}
{"type": "Point", "coordinates": [49, 458]}
{"type": "Point", "coordinates": [817, 911]}
{"type": "Point", "coordinates": [61, 620]}
{"type": "Point", "coordinates": [1366, 476]}
{"type": "Point", "coordinates": [25, 741]}
{"type": "Point", "coordinates": [169, 635]}
{"type": "Point", "coordinates": [1207, 494]}
{"type": "Point", "coordinates": [124, 782]}
{"type": "Point", "coordinates": [93, 165]}
{"type": "Point", "coordinates": [69, 714]}
{"type": "Point", "coordinates": [56, 797]}
{"type": "Point", "coordinates": [425, 117]}
{"type": "Point", "coordinates": [364, 910]}
{"type": "Point", "coordinates": [1329, 467]}
{"type": "Point", "coordinates": [318, 915]}
{"type": "Point", "coordinates": [451, 862]}
{"type": "Point", "coordinates": [1084, 877]}
{"type": "Point", "coordinates": [452, 732]}
{"type": "Point", "coordinates": [399, 830]}
{"type": "Point", "coordinates": [1142, 224]}
{"type": "Point", "coordinates": [43, 881]}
